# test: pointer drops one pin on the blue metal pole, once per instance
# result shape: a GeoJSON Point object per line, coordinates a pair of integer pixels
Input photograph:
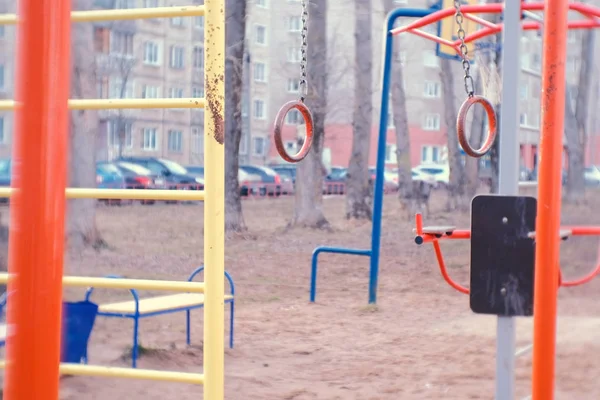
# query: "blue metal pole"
{"type": "Point", "coordinates": [382, 141]}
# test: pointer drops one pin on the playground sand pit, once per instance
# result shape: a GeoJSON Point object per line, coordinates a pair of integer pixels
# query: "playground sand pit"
{"type": "Point", "coordinates": [420, 342]}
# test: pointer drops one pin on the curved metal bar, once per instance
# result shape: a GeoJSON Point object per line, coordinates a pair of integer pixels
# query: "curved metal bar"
{"type": "Point", "coordinates": [278, 131]}
{"type": "Point", "coordinates": [461, 121]}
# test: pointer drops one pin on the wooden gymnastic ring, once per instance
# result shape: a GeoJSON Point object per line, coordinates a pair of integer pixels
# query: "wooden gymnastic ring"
{"type": "Point", "coordinates": [462, 119]}
{"type": "Point", "coordinates": [308, 139]}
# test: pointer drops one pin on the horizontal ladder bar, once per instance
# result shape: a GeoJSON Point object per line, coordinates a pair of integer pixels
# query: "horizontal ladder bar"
{"type": "Point", "coordinates": [123, 283]}
{"type": "Point", "coordinates": [115, 104]}
{"type": "Point", "coordinates": [122, 14]}
{"type": "Point", "coordinates": [127, 373]}
{"type": "Point", "coordinates": [123, 194]}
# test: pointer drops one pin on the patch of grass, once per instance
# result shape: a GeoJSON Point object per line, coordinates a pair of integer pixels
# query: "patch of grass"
{"type": "Point", "coordinates": [369, 309]}
{"type": "Point", "coordinates": [141, 352]}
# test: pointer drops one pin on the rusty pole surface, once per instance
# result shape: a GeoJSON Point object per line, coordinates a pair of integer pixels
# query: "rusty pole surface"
{"type": "Point", "coordinates": [547, 255]}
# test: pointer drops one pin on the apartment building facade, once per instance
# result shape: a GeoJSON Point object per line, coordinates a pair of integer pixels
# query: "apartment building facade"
{"type": "Point", "coordinates": [165, 58]}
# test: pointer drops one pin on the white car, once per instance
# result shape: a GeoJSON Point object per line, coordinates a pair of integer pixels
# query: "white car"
{"type": "Point", "coordinates": [592, 175]}
{"type": "Point", "coordinates": [439, 172]}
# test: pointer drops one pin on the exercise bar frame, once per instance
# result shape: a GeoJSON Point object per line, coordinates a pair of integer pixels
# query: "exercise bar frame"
{"type": "Point", "coordinates": [549, 186]}
{"type": "Point", "coordinates": [38, 198]}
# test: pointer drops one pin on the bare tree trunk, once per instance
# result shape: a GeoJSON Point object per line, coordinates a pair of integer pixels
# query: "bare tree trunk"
{"type": "Point", "coordinates": [234, 63]}
{"type": "Point", "coordinates": [400, 117]}
{"type": "Point", "coordinates": [308, 210]}
{"type": "Point", "coordinates": [81, 223]}
{"type": "Point", "coordinates": [457, 175]}
{"type": "Point", "coordinates": [577, 134]}
{"type": "Point", "coordinates": [359, 193]}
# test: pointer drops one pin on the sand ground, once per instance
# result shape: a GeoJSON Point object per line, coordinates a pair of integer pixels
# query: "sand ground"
{"type": "Point", "coordinates": [420, 342]}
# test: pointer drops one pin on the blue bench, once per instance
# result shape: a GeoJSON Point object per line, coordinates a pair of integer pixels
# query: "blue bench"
{"type": "Point", "coordinates": [137, 308]}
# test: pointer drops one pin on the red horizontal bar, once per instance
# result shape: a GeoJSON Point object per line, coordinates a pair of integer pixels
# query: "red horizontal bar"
{"type": "Point", "coordinates": [591, 12]}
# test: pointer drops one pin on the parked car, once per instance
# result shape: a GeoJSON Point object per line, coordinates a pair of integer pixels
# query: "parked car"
{"type": "Point", "coordinates": [390, 179]}
{"type": "Point", "coordinates": [286, 172]}
{"type": "Point", "coordinates": [5, 174]}
{"type": "Point", "coordinates": [174, 174]}
{"type": "Point", "coordinates": [108, 176]}
{"type": "Point", "coordinates": [592, 175]}
{"type": "Point", "coordinates": [196, 171]}
{"type": "Point", "coordinates": [440, 173]}
{"type": "Point", "coordinates": [138, 177]}
{"type": "Point", "coordinates": [269, 177]}
{"type": "Point", "coordinates": [335, 181]}
{"type": "Point", "coordinates": [250, 184]}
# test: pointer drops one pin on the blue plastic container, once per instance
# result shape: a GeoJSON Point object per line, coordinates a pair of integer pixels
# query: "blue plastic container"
{"type": "Point", "coordinates": [78, 322]}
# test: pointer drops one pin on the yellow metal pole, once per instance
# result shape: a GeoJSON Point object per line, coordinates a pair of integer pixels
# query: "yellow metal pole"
{"type": "Point", "coordinates": [214, 201]}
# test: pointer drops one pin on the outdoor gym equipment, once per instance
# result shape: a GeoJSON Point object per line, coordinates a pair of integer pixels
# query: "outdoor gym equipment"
{"type": "Point", "coordinates": [35, 278]}
{"type": "Point", "coordinates": [516, 219]}
{"type": "Point", "coordinates": [297, 104]}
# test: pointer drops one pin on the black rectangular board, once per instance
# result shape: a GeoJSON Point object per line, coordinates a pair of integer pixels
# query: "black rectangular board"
{"type": "Point", "coordinates": [502, 255]}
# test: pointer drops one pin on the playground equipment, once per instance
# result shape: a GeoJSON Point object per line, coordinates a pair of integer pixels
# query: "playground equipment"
{"type": "Point", "coordinates": [137, 309]}
{"type": "Point", "coordinates": [530, 229]}
{"type": "Point", "coordinates": [35, 279]}
{"type": "Point", "coordinates": [297, 104]}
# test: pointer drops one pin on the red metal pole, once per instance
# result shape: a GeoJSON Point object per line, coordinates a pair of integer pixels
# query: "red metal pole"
{"type": "Point", "coordinates": [38, 209]}
{"type": "Point", "coordinates": [549, 198]}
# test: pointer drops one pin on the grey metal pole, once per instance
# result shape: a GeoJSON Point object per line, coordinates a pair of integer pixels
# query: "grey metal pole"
{"type": "Point", "coordinates": [509, 179]}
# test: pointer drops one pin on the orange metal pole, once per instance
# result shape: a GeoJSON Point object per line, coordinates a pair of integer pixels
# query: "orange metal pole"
{"type": "Point", "coordinates": [38, 208]}
{"type": "Point", "coordinates": [549, 198]}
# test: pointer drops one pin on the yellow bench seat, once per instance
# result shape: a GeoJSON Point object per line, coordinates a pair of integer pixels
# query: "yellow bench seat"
{"type": "Point", "coordinates": [157, 304]}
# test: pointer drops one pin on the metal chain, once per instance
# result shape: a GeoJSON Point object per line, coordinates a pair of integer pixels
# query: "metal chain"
{"type": "Point", "coordinates": [303, 85]}
{"type": "Point", "coordinates": [469, 84]}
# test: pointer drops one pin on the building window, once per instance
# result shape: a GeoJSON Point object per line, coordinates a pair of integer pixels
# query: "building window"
{"type": "Point", "coordinates": [121, 43]}
{"type": "Point", "coordinates": [2, 31]}
{"type": "Point", "coordinates": [121, 89]}
{"type": "Point", "coordinates": [177, 57]}
{"type": "Point", "coordinates": [293, 86]}
{"type": "Point", "coordinates": [390, 153]}
{"type": "Point", "coordinates": [174, 141]}
{"type": "Point", "coordinates": [294, 24]}
{"type": "Point", "coordinates": [523, 119]}
{"type": "Point", "coordinates": [262, 3]}
{"type": "Point", "coordinates": [430, 59]}
{"type": "Point", "coordinates": [258, 146]}
{"type": "Point", "coordinates": [101, 40]}
{"type": "Point", "coordinates": [149, 139]}
{"type": "Point", "coordinates": [293, 117]}
{"type": "Point", "coordinates": [197, 141]}
{"type": "Point", "coordinates": [390, 118]}
{"type": "Point", "coordinates": [431, 122]}
{"type": "Point", "coordinates": [294, 55]}
{"type": "Point", "coordinates": [432, 89]}
{"type": "Point", "coordinates": [176, 93]}
{"type": "Point", "coordinates": [150, 92]}
{"type": "Point", "coordinates": [259, 111]}
{"type": "Point", "coordinates": [177, 21]}
{"type": "Point", "coordinates": [260, 34]}
{"type": "Point", "coordinates": [198, 57]}
{"type": "Point", "coordinates": [122, 4]}
{"type": "Point", "coordinates": [430, 154]}
{"type": "Point", "coordinates": [117, 128]}
{"type": "Point", "coordinates": [260, 72]}
{"type": "Point", "coordinates": [151, 53]}
{"type": "Point", "coordinates": [2, 130]}
{"type": "Point", "coordinates": [197, 92]}
{"type": "Point", "coordinates": [2, 72]}
{"type": "Point", "coordinates": [244, 143]}
{"type": "Point", "coordinates": [199, 22]}
{"type": "Point", "coordinates": [150, 3]}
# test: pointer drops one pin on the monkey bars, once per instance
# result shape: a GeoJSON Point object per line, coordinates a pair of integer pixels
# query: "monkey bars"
{"type": "Point", "coordinates": [589, 12]}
